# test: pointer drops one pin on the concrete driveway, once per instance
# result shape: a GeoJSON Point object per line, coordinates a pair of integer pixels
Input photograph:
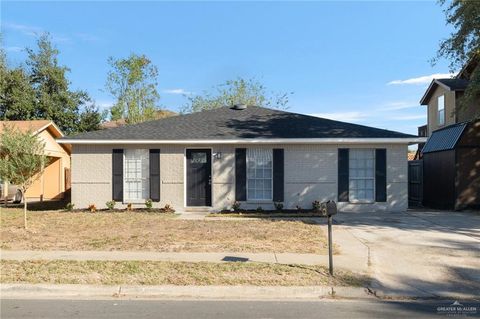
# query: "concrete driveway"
{"type": "Point", "coordinates": [419, 253]}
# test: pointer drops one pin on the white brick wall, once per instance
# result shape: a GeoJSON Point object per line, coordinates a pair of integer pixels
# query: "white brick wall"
{"type": "Point", "coordinates": [310, 174]}
{"type": "Point", "coordinates": [91, 175]}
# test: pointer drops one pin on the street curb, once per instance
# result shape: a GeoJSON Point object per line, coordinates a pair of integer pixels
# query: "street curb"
{"type": "Point", "coordinates": [42, 291]}
{"type": "Point", "coordinates": [427, 296]}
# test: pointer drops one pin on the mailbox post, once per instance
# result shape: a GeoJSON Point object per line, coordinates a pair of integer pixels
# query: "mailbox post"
{"type": "Point", "coordinates": [330, 208]}
{"type": "Point", "coordinates": [330, 248]}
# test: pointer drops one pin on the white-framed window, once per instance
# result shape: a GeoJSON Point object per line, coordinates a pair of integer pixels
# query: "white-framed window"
{"type": "Point", "coordinates": [441, 110]}
{"type": "Point", "coordinates": [136, 181]}
{"type": "Point", "coordinates": [259, 174]}
{"type": "Point", "coordinates": [362, 175]}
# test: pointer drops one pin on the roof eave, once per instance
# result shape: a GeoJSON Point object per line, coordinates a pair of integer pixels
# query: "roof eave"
{"type": "Point", "coordinates": [52, 124]}
{"type": "Point", "coordinates": [389, 140]}
{"type": "Point", "coordinates": [55, 130]}
{"type": "Point", "coordinates": [426, 97]}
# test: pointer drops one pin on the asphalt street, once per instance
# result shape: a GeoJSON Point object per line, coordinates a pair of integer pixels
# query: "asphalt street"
{"type": "Point", "coordinates": [199, 309]}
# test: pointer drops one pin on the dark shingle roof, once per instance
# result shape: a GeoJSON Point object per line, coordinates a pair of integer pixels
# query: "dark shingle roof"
{"type": "Point", "coordinates": [444, 139]}
{"type": "Point", "coordinates": [455, 84]}
{"type": "Point", "coordinates": [226, 123]}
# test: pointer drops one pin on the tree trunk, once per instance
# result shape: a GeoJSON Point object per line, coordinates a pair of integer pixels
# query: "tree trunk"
{"type": "Point", "coordinates": [5, 193]}
{"type": "Point", "coordinates": [24, 209]}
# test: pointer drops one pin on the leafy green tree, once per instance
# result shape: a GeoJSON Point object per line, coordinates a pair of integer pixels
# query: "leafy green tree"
{"type": "Point", "coordinates": [463, 43]}
{"type": "Point", "coordinates": [90, 119]}
{"type": "Point", "coordinates": [133, 83]}
{"type": "Point", "coordinates": [22, 160]}
{"type": "Point", "coordinates": [237, 91]}
{"type": "Point", "coordinates": [54, 99]}
{"type": "Point", "coordinates": [17, 97]}
{"type": "Point", "coordinates": [42, 91]}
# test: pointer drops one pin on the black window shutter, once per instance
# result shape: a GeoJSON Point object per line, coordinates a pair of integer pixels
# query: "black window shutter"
{"type": "Point", "coordinates": [155, 175]}
{"type": "Point", "coordinates": [117, 175]}
{"type": "Point", "coordinates": [381, 175]}
{"type": "Point", "coordinates": [241, 174]}
{"type": "Point", "coordinates": [278, 172]}
{"type": "Point", "coordinates": [343, 174]}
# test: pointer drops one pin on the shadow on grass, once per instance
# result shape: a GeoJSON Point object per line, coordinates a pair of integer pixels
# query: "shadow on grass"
{"type": "Point", "coordinates": [235, 259]}
{"type": "Point", "coordinates": [39, 206]}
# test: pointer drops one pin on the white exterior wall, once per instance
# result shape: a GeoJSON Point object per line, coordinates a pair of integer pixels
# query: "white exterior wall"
{"type": "Point", "coordinates": [310, 174]}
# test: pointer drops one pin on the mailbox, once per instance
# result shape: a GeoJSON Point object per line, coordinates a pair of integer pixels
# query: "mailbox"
{"type": "Point", "coordinates": [329, 208]}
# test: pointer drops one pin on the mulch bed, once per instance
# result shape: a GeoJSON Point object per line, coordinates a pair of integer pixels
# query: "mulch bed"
{"type": "Point", "coordinates": [124, 210]}
{"type": "Point", "coordinates": [268, 213]}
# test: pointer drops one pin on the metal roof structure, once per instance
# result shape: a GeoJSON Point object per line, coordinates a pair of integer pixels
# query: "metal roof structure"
{"type": "Point", "coordinates": [444, 139]}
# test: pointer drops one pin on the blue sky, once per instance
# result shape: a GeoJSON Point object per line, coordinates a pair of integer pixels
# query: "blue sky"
{"type": "Point", "coordinates": [362, 62]}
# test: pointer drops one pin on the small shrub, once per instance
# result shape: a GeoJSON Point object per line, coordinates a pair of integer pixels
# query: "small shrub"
{"type": "Point", "coordinates": [129, 207]}
{"type": "Point", "coordinates": [168, 209]}
{"type": "Point", "coordinates": [236, 206]}
{"type": "Point", "coordinates": [69, 207]}
{"type": "Point", "coordinates": [259, 209]}
{"type": "Point", "coordinates": [278, 206]}
{"type": "Point", "coordinates": [316, 206]}
{"type": "Point", "coordinates": [110, 204]}
{"type": "Point", "coordinates": [92, 208]}
{"type": "Point", "coordinates": [149, 204]}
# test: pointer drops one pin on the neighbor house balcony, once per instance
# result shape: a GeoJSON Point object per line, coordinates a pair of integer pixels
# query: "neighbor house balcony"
{"type": "Point", "coordinates": [423, 131]}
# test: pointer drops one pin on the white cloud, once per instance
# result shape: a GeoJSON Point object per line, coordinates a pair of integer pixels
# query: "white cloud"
{"type": "Point", "coordinates": [399, 105]}
{"type": "Point", "coordinates": [425, 79]}
{"type": "Point", "coordinates": [58, 38]}
{"type": "Point", "coordinates": [343, 116]}
{"type": "Point", "coordinates": [87, 37]}
{"type": "Point", "coordinates": [33, 31]}
{"type": "Point", "coordinates": [176, 91]}
{"type": "Point", "coordinates": [104, 105]}
{"type": "Point", "coordinates": [22, 28]}
{"type": "Point", "coordinates": [13, 49]}
{"type": "Point", "coordinates": [408, 117]}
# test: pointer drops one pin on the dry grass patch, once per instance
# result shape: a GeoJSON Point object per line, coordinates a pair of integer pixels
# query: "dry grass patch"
{"type": "Point", "coordinates": [172, 273]}
{"type": "Point", "coordinates": [155, 232]}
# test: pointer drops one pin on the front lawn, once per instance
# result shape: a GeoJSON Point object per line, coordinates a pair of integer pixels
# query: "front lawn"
{"type": "Point", "coordinates": [155, 232]}
{"type": "Point", "coordinates": [172, 273]}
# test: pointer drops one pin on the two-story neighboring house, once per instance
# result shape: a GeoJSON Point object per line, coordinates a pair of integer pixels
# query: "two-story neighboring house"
{"type": "Point", "coordinates": [451, 155]}
{"type": "Point", "coordinates": [442, 98]}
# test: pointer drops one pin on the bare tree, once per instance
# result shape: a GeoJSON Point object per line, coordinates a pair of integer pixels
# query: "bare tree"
{"type": "Point", "coordinates": [22, 160]}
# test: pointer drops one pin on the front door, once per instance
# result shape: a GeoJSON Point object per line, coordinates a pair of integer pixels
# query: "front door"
{"type": "Point", "coordinates": [199, 177]}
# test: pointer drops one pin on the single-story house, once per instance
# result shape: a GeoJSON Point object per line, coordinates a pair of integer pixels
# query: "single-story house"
{"type": "Point", "coordinates": [254, 155]}
{"type": "Point", "coordinates": [55, 179]}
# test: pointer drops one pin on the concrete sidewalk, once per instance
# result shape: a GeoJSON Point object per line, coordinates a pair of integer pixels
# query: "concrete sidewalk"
{"type": "Point", "coordinates": [354, 256]}
{"type": "Point", "coordinates": [340, 261]}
